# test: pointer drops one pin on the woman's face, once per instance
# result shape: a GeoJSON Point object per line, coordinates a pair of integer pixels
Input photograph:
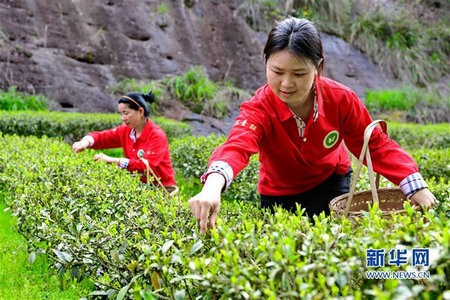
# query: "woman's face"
{"type": "Point", "coordinates": [130, 117]}
{"type": "Point", "coordinates": [290, 77]}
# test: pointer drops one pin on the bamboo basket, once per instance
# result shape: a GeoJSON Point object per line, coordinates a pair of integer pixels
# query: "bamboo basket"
{"type": "Point", "coordinates": [170, 190]}
{"type": "Point", "coordinates": [352, 205]}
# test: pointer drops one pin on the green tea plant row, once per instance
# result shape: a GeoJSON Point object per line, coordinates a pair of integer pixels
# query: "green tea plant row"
{"type": "Point", "coordinates": [96, 220]}
{"type": "Point", "coordinates": [414, 136]}
{"type": "Point", "coordinates": [21, 280]}
{"type": "Point", "coordinates": [73, 126]}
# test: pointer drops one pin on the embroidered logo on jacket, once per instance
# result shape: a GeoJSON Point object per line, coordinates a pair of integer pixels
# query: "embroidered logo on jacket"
{"type": "Point", "coordinates": [245, 123]}
{"type": "Point", "coordinates": [331, 139]}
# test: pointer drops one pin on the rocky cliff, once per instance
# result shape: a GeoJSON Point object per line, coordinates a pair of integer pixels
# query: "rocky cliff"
{"type": "Point", "coordinates": [72, 50]}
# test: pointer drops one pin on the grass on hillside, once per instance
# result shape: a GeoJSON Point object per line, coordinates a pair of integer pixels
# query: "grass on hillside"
{"type": "Point", "coordinates": [20, 279]}
{"type": "Point", "coordinates": [407, 39]}
{"type": "Point", "coordinates": [12, 100]}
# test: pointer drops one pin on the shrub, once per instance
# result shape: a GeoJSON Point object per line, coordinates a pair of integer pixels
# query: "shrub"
{"type": "Point", "coordinates": [433, 163]}
{"type": "Point", "coordinates": [96, 220]}
{"type": "Point", "coordinates": [190, 156]}
{"type": "Point", "coordinates": [415, 136]}
{"type": "Point", "coordinates": [73, 126]}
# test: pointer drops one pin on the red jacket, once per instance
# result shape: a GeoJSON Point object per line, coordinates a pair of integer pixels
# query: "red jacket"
{"type": "Point", "coordinates": [152, 140]}
{"type": "Point", "coordinates": [292, 165]}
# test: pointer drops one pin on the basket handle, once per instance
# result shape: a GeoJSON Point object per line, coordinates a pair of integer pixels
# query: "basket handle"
{"type": "Point", "coordinates": [374, 183]}
{"type": "Point", "coordinates": [150, 170]}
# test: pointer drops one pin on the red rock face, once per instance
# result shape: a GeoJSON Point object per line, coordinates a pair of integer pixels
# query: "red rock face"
{"type": "Point", "coordinates": [72, 51]}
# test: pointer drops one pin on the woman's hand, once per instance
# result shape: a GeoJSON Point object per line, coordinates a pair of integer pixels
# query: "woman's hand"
{"type": "Point", "coordinates": [424, 198]}
{"type": "Point", "coordinates": [205, 206]}
{"type": "Point", "coordinates": [106, 158]}
{"type": "Point", "coordinates": [80, 145]}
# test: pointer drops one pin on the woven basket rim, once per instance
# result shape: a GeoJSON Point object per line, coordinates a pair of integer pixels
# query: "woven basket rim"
{"type": "Point", "coordinates": [333, 205]}
{"type": "Point", "coordinates": [358, 201]}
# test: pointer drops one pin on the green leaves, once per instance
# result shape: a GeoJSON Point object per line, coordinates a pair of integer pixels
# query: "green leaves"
{"type": "Point", "coordinates": [95, 220]}
{"type": "Point", "coordinates": [63, 257]}
{"type": "Point", "coordinates": [193, 88]}
{"type": "Point", "coordinates": [190, 157]}
{"type": "Point", "coordinates": [12, 100]}
{"type": "Point", "coordinates": [196, 247]}
{"type": "Point", "coordinates": [73, 126]}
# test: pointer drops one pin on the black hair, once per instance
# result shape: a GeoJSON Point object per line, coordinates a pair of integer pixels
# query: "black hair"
{"type": "Point", "coordinates": [299, 36]}
{"type": "Point", "coordinates": [138, 100]}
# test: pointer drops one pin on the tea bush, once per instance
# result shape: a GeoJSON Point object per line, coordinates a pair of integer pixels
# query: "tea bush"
{"type": "Point", "coordinates": [73, 126]}
{"type": "Point", "coordinates": [95, 220]}
{"type": "Point", "coordinates": [190, 154]}
{"type": "Point", "coordinates": [433, 163]}
{"type": "Point", "coordinates": [415, 136]}
{"type": "Point", "coordinates": [84, 209]}
{"type": "Point", "coordinates": [190, 157]}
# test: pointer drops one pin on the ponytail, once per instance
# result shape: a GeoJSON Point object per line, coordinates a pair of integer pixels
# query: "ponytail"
{"type": "Point", "coordinates": [149, 97]}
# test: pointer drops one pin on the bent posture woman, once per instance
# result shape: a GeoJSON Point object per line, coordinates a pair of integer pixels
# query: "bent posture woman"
{"type": "Point", "coordinates": [144, 143]}
{"type": "Point", "coordinates": [297, 122]}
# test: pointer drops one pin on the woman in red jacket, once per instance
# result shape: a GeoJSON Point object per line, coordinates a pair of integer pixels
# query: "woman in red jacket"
{"type": "Point", "coordinates": [296, 122]}
{"type": "Point", "coordinates": [139, 138]}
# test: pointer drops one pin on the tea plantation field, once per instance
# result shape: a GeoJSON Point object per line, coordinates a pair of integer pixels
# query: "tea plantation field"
{"type": "Point", "coordinates": [92, 220]}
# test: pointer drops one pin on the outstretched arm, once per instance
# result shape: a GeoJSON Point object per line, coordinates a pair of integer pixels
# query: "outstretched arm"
{"type": "Point", "coordinates": [82, 144]}
{"type": "Point", "coordinates": [106, 158]}
{"type": "Point", "coordinates": [205, 206]}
